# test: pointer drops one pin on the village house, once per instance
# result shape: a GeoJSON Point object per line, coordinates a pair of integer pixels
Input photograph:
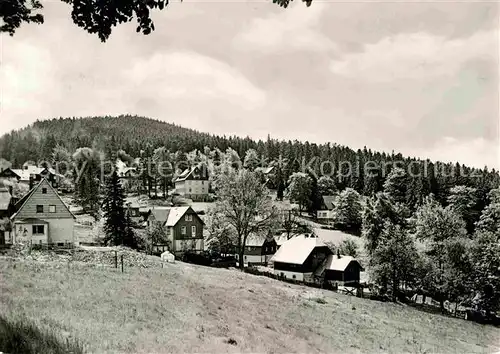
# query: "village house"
{"type": "Point", "coordinates": [267, 173]}
{"type": "Point", "coordinates": [15, 175]}
{"type": "Point", "coordinates": [326, 212]}
{"type": "Point", "coordinates": [340, 269]}
{"type": "Point", "coordinates": [41, 217]}
{"type": "Point", "coordinates": [299, 257]}
{"type": "Point", "coordinates": [182, 226]}
{"type": "Point", "coordinates": [307, 258]}
{"type": "Point", "coordinates": [136, 212]}
{"type": "Point", "coordinates": [193, 183]}
{"type": "Point", "coordinates": [258, 250]}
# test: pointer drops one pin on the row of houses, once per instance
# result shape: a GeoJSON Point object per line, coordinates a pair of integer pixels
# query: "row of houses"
{"type": "Point", "coordinates": [308, 259]}
{"type": "Point", "coordinates": [41, 217]}
{"type": "Point", "coordinates": [30, 175]}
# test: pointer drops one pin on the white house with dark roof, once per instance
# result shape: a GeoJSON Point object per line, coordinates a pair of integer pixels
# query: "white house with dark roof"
{"type": "Point", "coordinates": [193, 183]}
{"type": "Point", "coordinates": [41, 217]}
{"type": "Point", "coordinates": [182, 226]}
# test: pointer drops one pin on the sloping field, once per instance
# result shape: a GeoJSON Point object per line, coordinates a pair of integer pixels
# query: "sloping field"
{"type": "Point", "coordinates": [185, 308]}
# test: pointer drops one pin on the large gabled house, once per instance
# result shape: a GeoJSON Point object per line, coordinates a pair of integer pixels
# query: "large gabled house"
{"type": "Point", "coordinates": [41, 217]}
{"type": "Point", "coordinates": [182, 226]}
{"type": "Point", "coordinates": [193, 183]}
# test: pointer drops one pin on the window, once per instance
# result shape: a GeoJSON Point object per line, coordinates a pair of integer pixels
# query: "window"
{"type": "Point", "coordinates": [38, 229]}
{"type": "Point", "coordinates": [52, 208]}
{"type": "Point", "coordinates": [44, 190]}
{"type": "Point", "coordinates": [189, 217]}
{"type": "Point", "coordinates": [183, 230]}
{"type": "Point", "coordinates": [39, 208]}
{"type": "Point", "coordinates": [193, 231]}
{"type": "Point", "coordinates": [293, 276]}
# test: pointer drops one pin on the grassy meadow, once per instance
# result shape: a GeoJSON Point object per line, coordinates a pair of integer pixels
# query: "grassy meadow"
{"type": "Point", "coordinates": [185, 308]}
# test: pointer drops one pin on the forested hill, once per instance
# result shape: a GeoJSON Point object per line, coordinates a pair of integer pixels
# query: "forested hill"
{"type": "Point", "coordinates": [133, 134]}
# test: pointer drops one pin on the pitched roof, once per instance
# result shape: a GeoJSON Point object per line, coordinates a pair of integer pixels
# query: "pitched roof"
{"type": "Point", "coordinates": [22, 202]}
{"type": "Point", "coordinates": [339, 264]}
{"type": "Point", "coordinates": [176, 213]}
{"type": "Point", "coordinates": [329, 201]}
{"type": "Point", "coordinates": [5, 198]}
{"type": "Point", "coordinates": [160, 214]}
{"type": "Point", "coordinates": [265, 170]}
{"type": "Point", "coordinates": [297, 249]}
{"type": "Point", "coordinates": [24, 175]}
{"type": "Point", "coordinates": [187, 172]}
{"type": "Point", "coordinates": [170, 216]}
{"type": "Point", "coordinates": [257, 240]}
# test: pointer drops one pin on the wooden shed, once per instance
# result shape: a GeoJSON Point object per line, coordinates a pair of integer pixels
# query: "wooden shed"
{"type": "Point", "coordinates": [343, 270]}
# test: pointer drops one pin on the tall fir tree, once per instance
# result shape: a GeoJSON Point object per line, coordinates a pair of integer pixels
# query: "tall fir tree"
{"type": "Point", "coordinates": [115, 224]}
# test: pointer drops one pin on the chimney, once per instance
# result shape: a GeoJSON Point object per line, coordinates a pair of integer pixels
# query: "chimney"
{"type": "Point", "coordinates": [338, 254]}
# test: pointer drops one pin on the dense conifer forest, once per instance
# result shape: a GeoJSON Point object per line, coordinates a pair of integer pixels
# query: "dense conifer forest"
{"type": "Point", "coordinates": [134, 134]}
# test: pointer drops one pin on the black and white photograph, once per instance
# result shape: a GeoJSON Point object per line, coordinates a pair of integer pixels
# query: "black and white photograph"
{"type": "Point", "coordinates": [249, 176]}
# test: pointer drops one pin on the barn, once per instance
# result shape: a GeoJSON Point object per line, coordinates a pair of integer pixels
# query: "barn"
{"type": "Point", "coordinates": [343, 270]}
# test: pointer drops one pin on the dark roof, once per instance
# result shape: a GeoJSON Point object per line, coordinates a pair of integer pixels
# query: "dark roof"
{"type": "Point", "coordinates": [329, 201]}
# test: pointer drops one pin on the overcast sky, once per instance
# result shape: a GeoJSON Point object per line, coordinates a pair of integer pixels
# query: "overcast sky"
{"type": "Point", "coordinates": [418, 78]}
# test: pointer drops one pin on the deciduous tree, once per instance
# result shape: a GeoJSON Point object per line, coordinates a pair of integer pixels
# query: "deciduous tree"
{"type": "Point", "coordinates": [300, 189]}
{"type": "Point", "coordinates": [348, 210]}
{"type": "Point", "coordinates": [243, 203]}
